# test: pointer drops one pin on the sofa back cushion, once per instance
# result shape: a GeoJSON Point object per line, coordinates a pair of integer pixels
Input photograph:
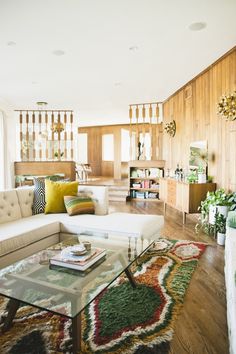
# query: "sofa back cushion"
{"type": "Point", "coordinates": [99, 195]}
{"type": "Point", "coordinates": [9, 206]}
{"type": "Point", "coordinates": [25, 198]}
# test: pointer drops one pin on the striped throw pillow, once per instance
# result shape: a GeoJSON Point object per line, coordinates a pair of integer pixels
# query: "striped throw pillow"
{"type": "Point", "coordinates": [79, 205]}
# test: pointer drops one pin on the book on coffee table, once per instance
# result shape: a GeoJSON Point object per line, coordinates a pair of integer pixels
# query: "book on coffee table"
{"type": "Point", "coordinates": [81, 263]}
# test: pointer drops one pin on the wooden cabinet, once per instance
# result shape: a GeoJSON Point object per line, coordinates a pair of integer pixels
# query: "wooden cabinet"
{"type": "Point", "coordinates": [185, 197]}
{"type": "Point", "coordinates": [144, 179]}
{"type": "Point", "coordinates": [45, 168]}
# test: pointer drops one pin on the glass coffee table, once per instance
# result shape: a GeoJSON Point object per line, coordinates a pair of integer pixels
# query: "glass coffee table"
{"type": "Point", "coordinates": [64, 291]}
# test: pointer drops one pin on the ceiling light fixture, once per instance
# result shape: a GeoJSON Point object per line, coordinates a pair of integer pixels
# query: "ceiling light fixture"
{"type": "Point", "coordinates": [133, 48]}
{"type": "Point", "coordinates": [41, 105]}
{"type": "Point", "coordinates": [58, 52]}
{"type": "Point", "coordinates": [11, 43]}
{"type": "Point", "coordinates": [197, 26]}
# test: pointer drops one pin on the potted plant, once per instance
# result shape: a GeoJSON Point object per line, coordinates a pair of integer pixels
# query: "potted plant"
{"type": "Point", "coordinates": [218, 201]}
{"type": "Point", "coordinates": [201, 174]}
{"type": "Point", "coordinates": [220, 228]}
{"type": "Point", "coordinates": [192, 177]}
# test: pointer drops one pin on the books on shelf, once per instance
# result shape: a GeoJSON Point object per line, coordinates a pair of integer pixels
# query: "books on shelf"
{"type": "Point", "coordinates": [81, 263]}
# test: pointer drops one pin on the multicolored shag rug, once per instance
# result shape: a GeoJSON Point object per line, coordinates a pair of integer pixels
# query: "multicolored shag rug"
{"type": "Point", "coordinates": [121, 319]}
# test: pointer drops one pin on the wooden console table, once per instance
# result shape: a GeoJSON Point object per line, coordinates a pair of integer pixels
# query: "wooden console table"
{"type": "Point", "coordinates": [45, 168]}
{"type": "Point", "coordinates": [185, 197]}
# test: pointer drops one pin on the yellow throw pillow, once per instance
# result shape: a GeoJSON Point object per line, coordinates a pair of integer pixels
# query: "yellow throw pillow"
{"type": "Point", "coordinates": [54, 195]}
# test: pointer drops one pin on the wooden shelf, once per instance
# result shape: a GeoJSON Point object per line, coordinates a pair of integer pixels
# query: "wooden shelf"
{"type": "Point", "coordinates": [146, 178]}
{"type": "Point", "coordinates": [146, 199]}
{"type": "Point", "coordinates": [147, 167]}
{"type": "Point", "coordinates": [145, 189]}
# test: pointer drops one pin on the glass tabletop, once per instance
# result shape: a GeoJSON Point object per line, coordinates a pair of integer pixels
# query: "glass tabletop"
{"type": "Point", "coordinates": [67, 291]}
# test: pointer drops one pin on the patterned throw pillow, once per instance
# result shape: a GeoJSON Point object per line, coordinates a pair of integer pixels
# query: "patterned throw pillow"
{"type": "Point", "coordinates": [39, 196]}
{"type": "Point", "coordinates": [79, 205]}
{"type": "Point", "coordinates": [39, 201]}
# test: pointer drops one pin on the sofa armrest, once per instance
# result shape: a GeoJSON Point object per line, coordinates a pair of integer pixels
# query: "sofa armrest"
{"type": "Point", "coordinates": [100, 197]}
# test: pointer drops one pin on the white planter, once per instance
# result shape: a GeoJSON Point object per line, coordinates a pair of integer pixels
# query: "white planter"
{"type": "Point", "coordinates": [223, 210]}
{"type": "Point", "coordinates": [212, 213]}
{"type": "Point", "coordinates": [220, 239]}
{"type": "Point", "coordinates": [201, 178]}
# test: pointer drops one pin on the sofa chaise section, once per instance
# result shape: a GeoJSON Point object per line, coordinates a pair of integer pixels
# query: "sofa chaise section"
{"type": "Point", "coordinates": [22, 233]}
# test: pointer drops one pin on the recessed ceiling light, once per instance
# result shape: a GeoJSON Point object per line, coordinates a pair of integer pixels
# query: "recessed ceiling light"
{"type": "Point", "coordinates": [11, 43]}
{"type": "Point", "coordinates": [133, 48]}
{"type": "Point", "coordinates": [197, 26]}
{"type": "Point", "coordinates": [58, 52]}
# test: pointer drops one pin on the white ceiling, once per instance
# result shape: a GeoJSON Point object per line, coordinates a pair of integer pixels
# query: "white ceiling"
{"type": "Point", "coordinates": [99, 75]}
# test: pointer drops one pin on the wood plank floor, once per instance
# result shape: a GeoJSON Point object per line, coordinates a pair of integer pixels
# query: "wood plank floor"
{"type": "Point", "coordinates": [201, 327]}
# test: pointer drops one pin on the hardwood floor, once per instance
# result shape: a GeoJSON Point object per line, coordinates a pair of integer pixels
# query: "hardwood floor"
{"type": "Point", "coordinates": [201, 327]}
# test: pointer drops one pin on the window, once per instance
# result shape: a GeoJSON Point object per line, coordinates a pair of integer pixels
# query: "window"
{"type": "Point", "coordinates": [108, 147]}
{"type": "Point", "coordinates": [125, 145]}
{"type": "Point", "coordinates": [146, 145]}
{"type": "Point", "coordinates": [83, 148]}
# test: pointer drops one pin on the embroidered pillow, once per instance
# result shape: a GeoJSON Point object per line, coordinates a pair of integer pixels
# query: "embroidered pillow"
{"type": "Point", "coordinates": [79, 205]}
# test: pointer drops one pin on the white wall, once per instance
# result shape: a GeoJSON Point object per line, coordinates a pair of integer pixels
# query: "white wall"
{"type": "Point", "coordinates": [9, 117]}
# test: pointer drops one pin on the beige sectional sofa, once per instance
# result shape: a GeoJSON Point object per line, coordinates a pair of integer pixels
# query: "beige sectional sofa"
{"type": "Point", "coordinates": [22, 234]}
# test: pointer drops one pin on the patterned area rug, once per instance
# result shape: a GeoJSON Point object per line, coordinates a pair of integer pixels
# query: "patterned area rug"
{"type": "Point", "coordinates": [121, 319]}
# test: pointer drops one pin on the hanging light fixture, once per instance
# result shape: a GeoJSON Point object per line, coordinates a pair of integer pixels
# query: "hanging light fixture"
{"type": "Point", "coordinates": [57, 127]}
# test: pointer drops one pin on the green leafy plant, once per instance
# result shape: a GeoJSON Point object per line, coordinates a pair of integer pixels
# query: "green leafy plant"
{"type": "Point", "coordinates": [192, 177]}
{"type": "Point", "coordinates": [220, 223]}
{"type": "Point", "coordinates": [232, 201]}
{"type": "Point", "coordinates": [56, 154]}
{"type": "Point", "coordinates": [201, 169]}
{"type": "Point", "coordinates": [217, 198]}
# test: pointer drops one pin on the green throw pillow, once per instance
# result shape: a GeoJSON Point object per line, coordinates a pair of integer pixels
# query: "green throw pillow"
{"type": "Point", "coordinates": [79, 205]}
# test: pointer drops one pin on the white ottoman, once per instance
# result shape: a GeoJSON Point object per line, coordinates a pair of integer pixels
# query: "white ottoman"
{"type": "Point", "coordinates": [135, 225]}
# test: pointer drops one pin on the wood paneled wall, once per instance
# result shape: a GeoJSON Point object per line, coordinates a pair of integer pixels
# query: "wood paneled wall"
{"type": "Point", "coordinates": [116, 169]}
{"type": "Point", "coordinates": [194, 108]}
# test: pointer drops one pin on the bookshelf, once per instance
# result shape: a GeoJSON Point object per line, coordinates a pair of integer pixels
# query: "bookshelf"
{"type": "Point", "coordinates": [144, 178]}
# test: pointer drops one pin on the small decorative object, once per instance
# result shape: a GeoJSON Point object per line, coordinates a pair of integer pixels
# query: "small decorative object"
{"type": "Point", "coordinates": [227, 106]}
{"type": "Point", "coordinates": [87, 245]}
{"type": "Point", "coordinates": [170, 128]}
{"type": "Point", "coordinates": [57, 155]}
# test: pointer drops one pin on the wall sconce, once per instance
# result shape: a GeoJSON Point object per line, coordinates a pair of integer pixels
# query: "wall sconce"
{"type": "Point", "coordinates": [170, 128]}
{"type": "Point", "coordinates": [227, 106]}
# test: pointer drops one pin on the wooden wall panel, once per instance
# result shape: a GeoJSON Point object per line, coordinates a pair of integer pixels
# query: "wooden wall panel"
{"type": "Point", "coordinates": [194, 108]}
{"type": "Point", "coordinates": [116, 169]}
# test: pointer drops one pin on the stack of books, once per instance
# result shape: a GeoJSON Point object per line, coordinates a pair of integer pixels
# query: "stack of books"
{"type": "Point", "coordinates": [81, 263]}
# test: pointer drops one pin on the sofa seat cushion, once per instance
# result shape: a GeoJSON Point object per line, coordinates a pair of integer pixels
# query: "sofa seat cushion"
{"type": "Point", "coordinates": [144, 226]}
{"type": "Point", "coordinates": [23, 232]}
